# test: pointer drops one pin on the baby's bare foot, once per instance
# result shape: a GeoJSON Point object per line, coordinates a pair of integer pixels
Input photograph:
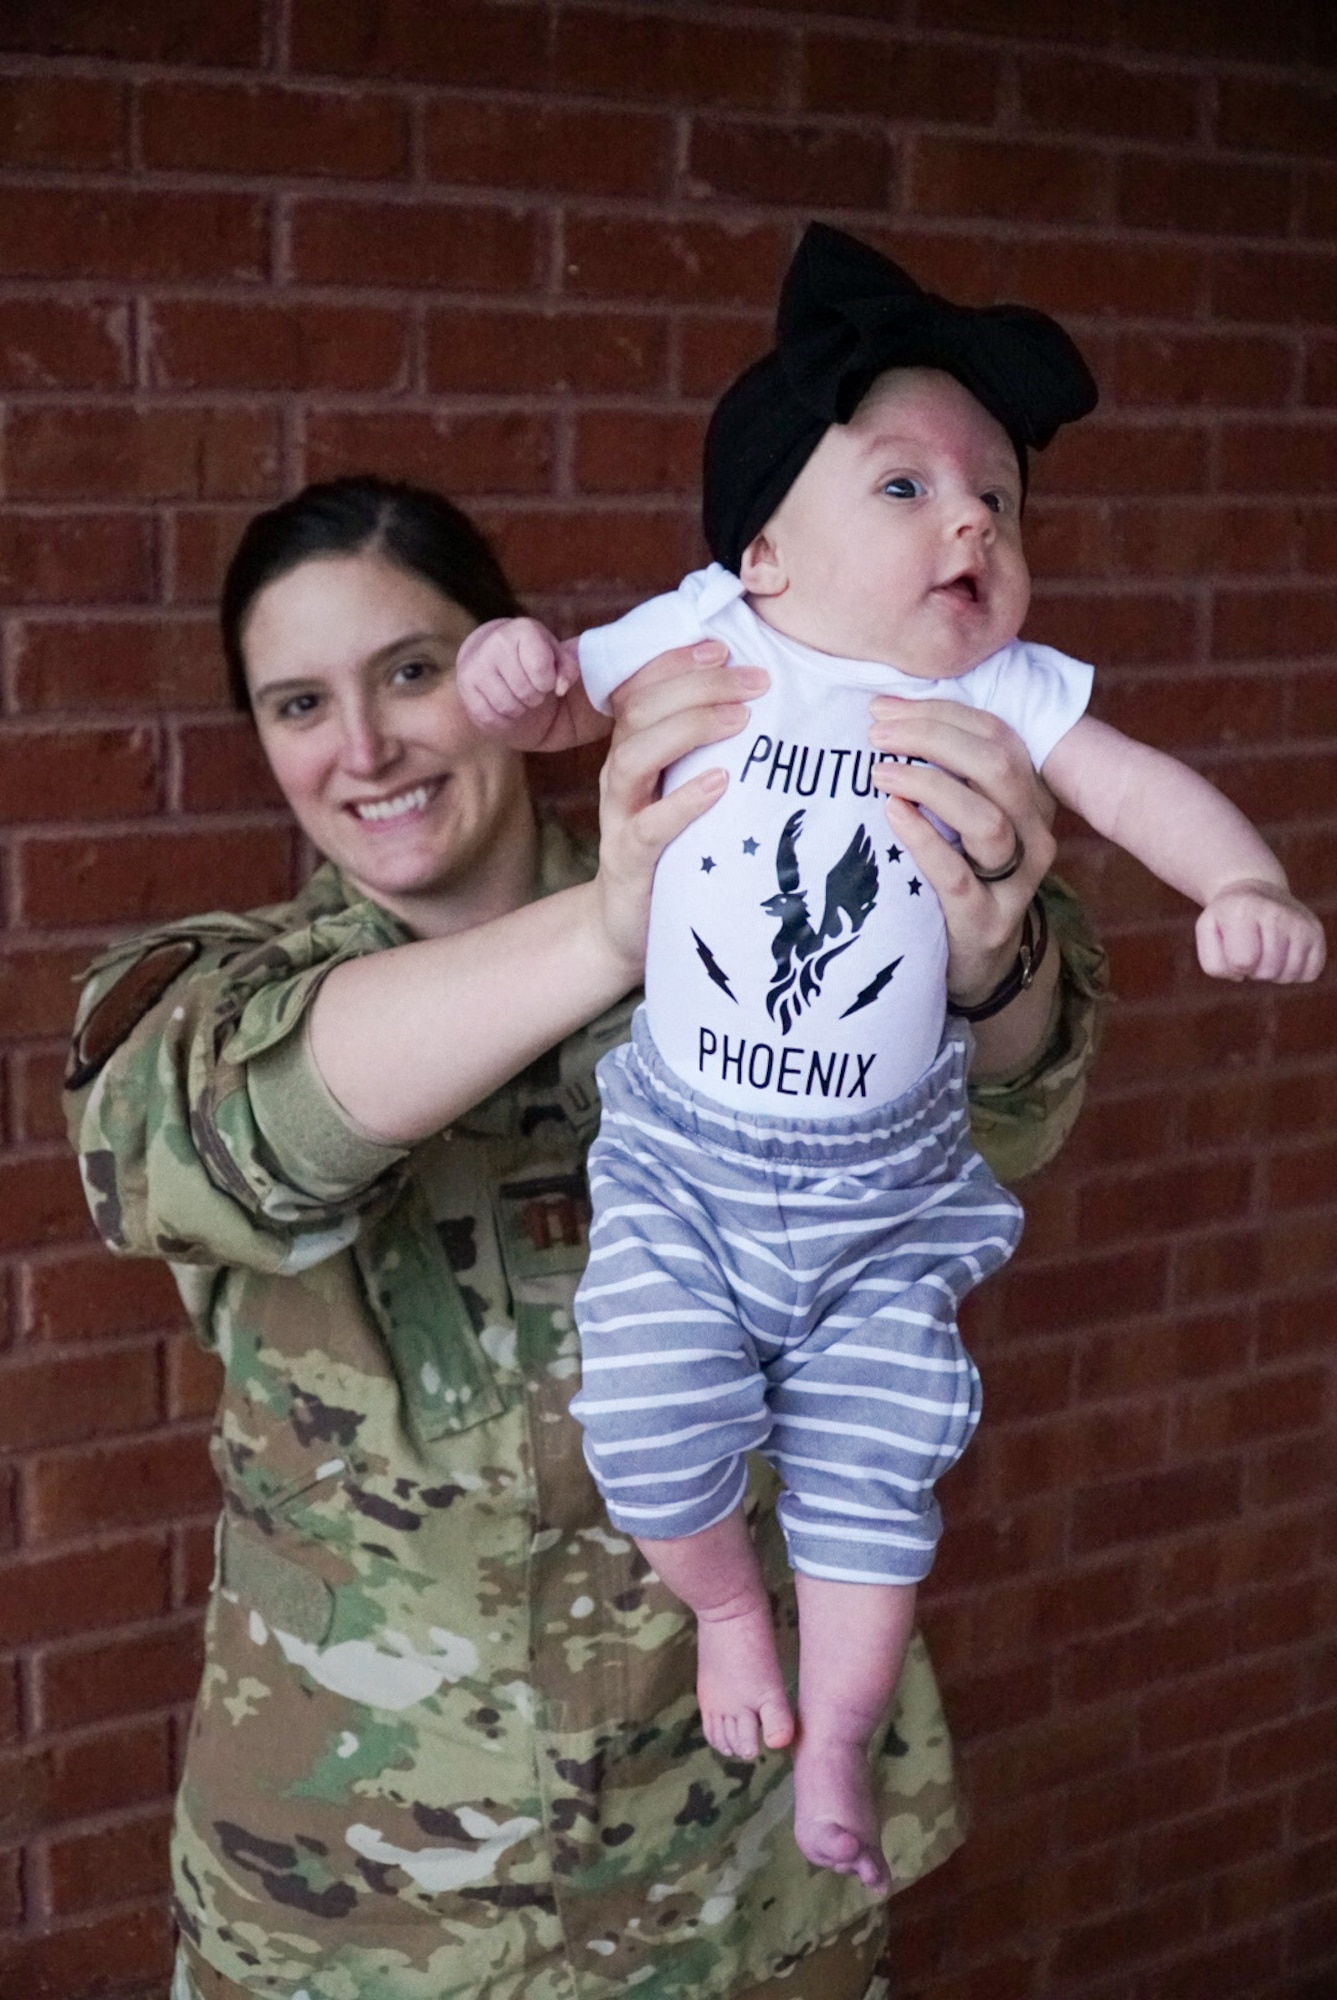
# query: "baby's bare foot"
{"type": "Point", "coordinates": [739, 1684]}
{"type": "Point", "coordinates": [835, 1815]}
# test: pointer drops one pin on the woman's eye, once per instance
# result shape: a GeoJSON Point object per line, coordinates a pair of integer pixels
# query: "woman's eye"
{"type": "Point", "coordinates": [410, 672]}
{"type": "Point", "coordinates": [299, 707]}
{"type": "Point", "coordinates": [903, 487]}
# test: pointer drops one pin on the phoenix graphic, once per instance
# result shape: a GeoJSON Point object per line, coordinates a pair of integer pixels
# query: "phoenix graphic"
{"type": "Point", "coordinates": [800, 958]}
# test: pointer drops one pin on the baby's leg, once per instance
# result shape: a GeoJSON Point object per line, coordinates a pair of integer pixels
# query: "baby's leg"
{"type": "Point", "coordinates": [738, 1678]}
{"type": "Point", "coordinates": [852, 1641]}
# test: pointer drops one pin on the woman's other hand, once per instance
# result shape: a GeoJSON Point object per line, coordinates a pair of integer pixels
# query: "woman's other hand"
{"type": "Point", "coordinates": [679, 702]}
{"type": "Point", "coordinates": [977, 778]}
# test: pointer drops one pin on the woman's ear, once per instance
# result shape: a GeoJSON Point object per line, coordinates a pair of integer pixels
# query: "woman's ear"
{"type": "Point", "coordinates": [762, 570]}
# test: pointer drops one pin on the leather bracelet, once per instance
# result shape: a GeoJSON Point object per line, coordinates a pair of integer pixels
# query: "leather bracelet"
{"type": "Point", "coordinates": [1030, 957]}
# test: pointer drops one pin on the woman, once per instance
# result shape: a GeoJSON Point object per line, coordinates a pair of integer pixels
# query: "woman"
{"type": "Point", "coordinates": [446, 1741]}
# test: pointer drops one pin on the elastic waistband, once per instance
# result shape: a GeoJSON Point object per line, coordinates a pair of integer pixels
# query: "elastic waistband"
{"type": "Point", "coordinates": [936, 1101]}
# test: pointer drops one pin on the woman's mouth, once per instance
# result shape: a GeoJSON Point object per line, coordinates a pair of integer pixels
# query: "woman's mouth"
{"type": "Point", "coordinates": [399, 806]}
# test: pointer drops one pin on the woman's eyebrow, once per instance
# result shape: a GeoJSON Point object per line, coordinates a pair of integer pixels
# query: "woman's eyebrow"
{"type": "Point", "coordinates": [315, 678]}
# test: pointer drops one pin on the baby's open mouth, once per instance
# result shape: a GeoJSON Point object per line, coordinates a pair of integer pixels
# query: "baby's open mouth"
{"type": "Point", "coordinates": [965, 585]}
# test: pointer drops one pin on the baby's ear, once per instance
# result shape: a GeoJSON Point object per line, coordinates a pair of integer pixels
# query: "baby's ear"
{"type": "Point", "coordinates": [762, 570]}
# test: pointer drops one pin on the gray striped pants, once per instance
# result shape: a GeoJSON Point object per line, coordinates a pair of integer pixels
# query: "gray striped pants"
{"type": "Point", "coordinates": [787, 1287]}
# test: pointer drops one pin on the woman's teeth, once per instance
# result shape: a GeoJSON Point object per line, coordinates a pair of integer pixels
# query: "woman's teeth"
{"type": "Point", "coordinates": [397, 807]}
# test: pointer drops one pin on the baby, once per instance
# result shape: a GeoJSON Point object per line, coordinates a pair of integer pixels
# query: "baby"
{"type": "Point", "coordinates": [787, 1205]}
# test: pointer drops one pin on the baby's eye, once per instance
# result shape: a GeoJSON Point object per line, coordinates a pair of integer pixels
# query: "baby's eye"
{"type": "Point", "coordinates": [997, 502]}
{"type": "Point", "coordinates": [902, 487]}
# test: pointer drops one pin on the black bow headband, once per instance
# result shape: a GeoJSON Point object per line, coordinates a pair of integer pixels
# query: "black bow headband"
{"type": "Point", "coordinates": [846, 315]}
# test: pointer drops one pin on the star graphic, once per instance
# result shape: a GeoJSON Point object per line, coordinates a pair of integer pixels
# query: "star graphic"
{"type": "Point", "coordinates": [707, 864]}
{"type": "Point", "coordinates": [893, 853]}
{"type": "Point", "coordinates": [915, 885]}
{"type": "Point", "coordinates": [749, 847]}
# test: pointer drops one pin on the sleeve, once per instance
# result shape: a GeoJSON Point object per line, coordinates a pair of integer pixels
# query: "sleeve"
{"type": "Point", "coordinates": [204, 1132]}
{"type": "Point", "coordinates": [1019, 1121]}
{"type": "Point", "coordinates": [1041, 693]}
{"type": "Point", "coordinates": [611, 654]}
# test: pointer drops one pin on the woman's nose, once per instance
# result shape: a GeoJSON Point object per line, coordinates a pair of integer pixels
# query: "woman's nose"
{"type": "Point", "coordinates": [367, 745]}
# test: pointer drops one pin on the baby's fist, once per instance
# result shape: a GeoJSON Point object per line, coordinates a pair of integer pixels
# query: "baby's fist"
{"type": "Point", "coordinates": [510, 667]}
{"type": "Point", "coordinates": [1257, 930]}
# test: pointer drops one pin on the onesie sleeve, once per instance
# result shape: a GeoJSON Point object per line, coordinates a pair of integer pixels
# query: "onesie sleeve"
{"type": "Point", "coordinates": [1041, 693]}
{"type": "Point", "coordinates": [611, 654]}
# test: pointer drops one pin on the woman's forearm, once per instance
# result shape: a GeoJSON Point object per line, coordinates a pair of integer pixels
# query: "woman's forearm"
{"type": "Point", "coordinates": [1010, 1038]}
{"type": "Point", "coordinates": [407, 1040]}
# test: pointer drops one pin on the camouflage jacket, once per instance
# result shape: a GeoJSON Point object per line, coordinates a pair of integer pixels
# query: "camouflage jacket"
{"type": "Point", "coordinates": [446, 1742]}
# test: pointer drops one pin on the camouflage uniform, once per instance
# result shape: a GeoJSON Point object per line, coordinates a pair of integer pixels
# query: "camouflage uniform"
{"type": "Point", "coordinates": [446, 1742]}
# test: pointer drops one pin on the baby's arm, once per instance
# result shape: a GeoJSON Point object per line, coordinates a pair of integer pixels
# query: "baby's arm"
{"type": "Point", "coordinates": [1188, 834]}
{"type": "Point", "coordinates": [522, 686]}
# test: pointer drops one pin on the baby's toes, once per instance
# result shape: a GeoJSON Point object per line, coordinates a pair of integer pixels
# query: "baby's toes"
{"type": "Point", "coordinates": [777, 1722]}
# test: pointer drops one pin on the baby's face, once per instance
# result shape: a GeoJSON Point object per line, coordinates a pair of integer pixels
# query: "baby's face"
{"type": "Point", "coordinates": [900, 540]}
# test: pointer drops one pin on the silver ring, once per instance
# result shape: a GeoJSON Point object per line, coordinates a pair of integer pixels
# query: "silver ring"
{"type": "Point", "coordinates": [1009, 867]}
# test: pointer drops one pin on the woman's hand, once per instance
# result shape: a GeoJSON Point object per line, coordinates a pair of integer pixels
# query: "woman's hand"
{"type": "Point", "coordinates": [678, 702]}
{"type": "Point", "coordinates": [977, 778]}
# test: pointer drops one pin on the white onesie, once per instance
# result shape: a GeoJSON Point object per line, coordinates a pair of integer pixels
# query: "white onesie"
{"type": "Point", "coordinates": [796, 962]}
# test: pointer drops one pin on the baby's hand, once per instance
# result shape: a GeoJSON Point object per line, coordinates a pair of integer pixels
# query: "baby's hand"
{"type": "Point", "coordinates": [512, 676]}
{"type": "Point", "coordinates": [1257, 930]}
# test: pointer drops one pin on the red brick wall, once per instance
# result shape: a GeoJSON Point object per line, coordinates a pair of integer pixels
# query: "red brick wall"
{"type": "Point", "coordinates": [516, 248]}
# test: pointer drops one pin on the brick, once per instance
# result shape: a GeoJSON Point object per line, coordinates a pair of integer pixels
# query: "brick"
{"type": "Point", "coordinates": [1193, 710]}
{"type": "Point", "coordinates": [683, 262]}
{"type": "Point", "coordinates": [808, 166]}
{"type": "Point", "coordinates": [104, 773]}
{"type": "Point", "coordinates": [463, 454]}
{"type": "Point", "coordinates": [145, 453]}
{"type": "Point", "coordinates": [1302, 1178]}
{"type": "Point", "coordinates": [1155, 1650]}
{"type": "Point", "coordinates": [1064, 1749]}
{"type": "Point", "coordinates": [1306, 1023]}
{"type": "Point", "coordinates": [116, 1954]}
{"type": "Point", "coordinates": [1087, 1600]}
{"type": "Point", "coordinates": [72, 558]}
{"type": "Point", "coordinates": [1079, 1448]}
{"type": "Point", "coordinates": [1121, 1131]}
{"type": "Point", "coordinates": [1067, 539]}
{"type": "Point", "coordinates": [1069, 277]}
{"type": "Point", "coordinates": [11, 1890]}
{"type": "Point", "coordinates": [1277, 115]}
{"type": "Point", "coordinates": [1006, 1699]}
{"type": "Point", "coordinates": [192, 31]}
{"type": "Point", "coordinates": [46, 1400]}
{"type": "Point", "coordinates": [1250, 1964]}
{"type": "Point", "coordinates": [160, 237]}
{"type": "Point", "coordinates": [1296, 1325]}
{"type": "Point", "coordinates": [194, 1378]}
{"type": "Point", "coordinates": [1012, 179]}
{"type": "Point", "coordinates": [195, 1563]}
{"type": "Point", "coordinates": [58, 344]}
{"type": "Point", "coordinates": [1206, 538]}
{"type": "Point", "coordinates": [153, 1669]}
{"type": "Point", "coordinates": [1318, 203]}
{"type": "Point", "coordinates": [858, 75]}
{"type": "Point", "coordinates": [158, 663]}
{"type": "Point", "coordinates": [1209, 1842]}
{"type": "Point", "coordinates": [1237, 1696]}
{"type": "Point", "coordinates": [82, 1590]}
{"type": "Point", "coordinates": [80, 1776]}
{"type": "Point", "coordinates": [542, 351]}
{"type": "Point", "coordinates": [627, 551]}
{"type": "Point", "coordinates": [1278, 787]}
{"type": "Point", "coordinates": [1113, 458]}
{"type": "Point", "coordinates": [469, 44]}
{"type": "Point", "coordinates": [10, 1702]}
{"type": "Point", "coordinates": [201, 544]}
{"type": "Point", "coordinates": [1284, 1614]}
{"type": "Point", "coordinates": [1228, 198]}
{"type": "Point", "coordinates": [1275, 285]}
{"type": "Point", "coordinates": [697, 63]}
{"type": "Point", "coordinates": [1320, 377]}
{"type": "Point", "coordinates": [1225, 371]}
{"type": "Point", "coordinates": [1148, 627]}
{"type": "Point", "coordinates": [255, 128]}
{"type": "Point", "coordinates": [1084, 1291]}
{"type": "Point", "coordinates": [139, 877]}
{"type": "Point", "coordinates": [1286, 33]}
{"type": "Point", "coordinates": [37, 1092]}
{"type": "Point", "coordinates": [223, 768]}
{"type": "Point", "coordinates": [637, 451]}
{"type": "Point", "coordinates": [417, 244]}
{"type": "Point", "coordinates": [36, 989]}
{"type": "Point", "coordinates": [62, 121]}
{"type": "Point", "coordinates": [1105, 99]}
{"type": "Point", "coordinates": [91, 1296]}
{"type": "Point", "coordinates": [1039, 20]}
{"type": "Point", "coordinates": [112, 1865]}
{"type": "Point", "coordinates": [554, 148]}
{"type": "Point", "coordinates": [282, 348]}
{"type": "Point", "coordinates": [1164, 1356]}
{"type": "Point", "coordinates": [713, 351]}
{"type": "Point", "coordinates": [1027, 1384]}
{"type": "Point", "coordinates": [1184, 1781]}
{"type": "Point", "coordinates": [122, 1485]}
{"type": "Point", "coordinates": [1128, 1936]}
{"type": "Point", "coordinates": [1164, 1199]}
{"type": "Point", "coordinates": [41, 1201]}
{"type": "Point", "coordinates": [1280, 457]}
{"type": "Point", "coordinates": [1125, 1510]}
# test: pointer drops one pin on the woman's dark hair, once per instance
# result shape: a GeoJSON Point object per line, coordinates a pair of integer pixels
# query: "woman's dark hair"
{"type": "Point", "coordinates": [411, 526]}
